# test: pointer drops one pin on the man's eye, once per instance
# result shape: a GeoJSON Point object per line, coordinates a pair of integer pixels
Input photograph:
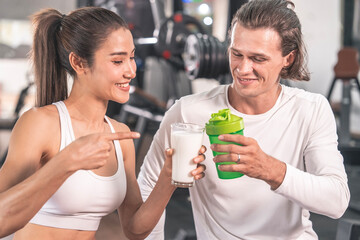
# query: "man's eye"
{"type": "Point", "coordinates": [237, 54]}
{"type": "Point", "coordinates": [256, 59]}
{"type": "Point", "coordinates": [117, 62]}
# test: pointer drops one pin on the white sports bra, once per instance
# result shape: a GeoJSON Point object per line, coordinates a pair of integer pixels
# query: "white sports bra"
{"type": "Point", "coordinates": [85, 197]}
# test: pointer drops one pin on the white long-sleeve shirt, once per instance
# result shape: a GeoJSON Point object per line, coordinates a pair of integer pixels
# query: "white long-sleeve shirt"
{"type": "Point", "coordinates": [299, 130]}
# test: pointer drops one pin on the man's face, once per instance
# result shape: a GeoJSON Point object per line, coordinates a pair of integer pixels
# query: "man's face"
{"type": "Point", "coordinates": [255, 61]}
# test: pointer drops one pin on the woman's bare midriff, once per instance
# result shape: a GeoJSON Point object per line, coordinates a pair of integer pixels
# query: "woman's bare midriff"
{"type": "Point", "coordinates": [38, 232]}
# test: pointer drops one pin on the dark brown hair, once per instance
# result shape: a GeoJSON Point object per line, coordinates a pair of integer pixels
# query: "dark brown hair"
{"type": "Point", "coordinates": [279, 16]}
{"type": "Point", "coordinates": [82, 32]}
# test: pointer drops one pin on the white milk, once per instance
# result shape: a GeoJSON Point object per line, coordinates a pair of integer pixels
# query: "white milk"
{"type": "Point", "coordinates": [186, 146]}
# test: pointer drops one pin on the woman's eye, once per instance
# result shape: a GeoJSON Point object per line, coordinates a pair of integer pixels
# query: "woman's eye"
{"type": "Point", "coordinates": [117, 62]}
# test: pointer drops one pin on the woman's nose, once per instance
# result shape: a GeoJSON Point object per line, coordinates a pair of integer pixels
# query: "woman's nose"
{"type": "Point", "coordinates": [130, 71]}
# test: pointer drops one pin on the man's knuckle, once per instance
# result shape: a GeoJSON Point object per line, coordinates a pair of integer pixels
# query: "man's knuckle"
{"type": "Point", "coordinates": [231, 147]}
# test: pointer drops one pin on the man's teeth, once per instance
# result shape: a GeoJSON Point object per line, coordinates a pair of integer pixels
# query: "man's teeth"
{"type": "Point", "coordinates": [245, 80]}
{"type": "Point", "coordinates": [122, 84]}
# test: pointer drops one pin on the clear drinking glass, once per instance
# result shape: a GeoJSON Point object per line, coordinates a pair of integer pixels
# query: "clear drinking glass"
{"type": "Point", "coordinates": [186, 141]}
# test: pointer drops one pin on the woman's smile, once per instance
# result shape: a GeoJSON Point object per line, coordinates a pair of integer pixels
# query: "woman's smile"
{"type": "Point", "coordinates": [123, 86]}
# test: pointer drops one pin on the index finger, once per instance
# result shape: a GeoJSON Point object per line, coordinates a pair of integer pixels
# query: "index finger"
{"type": "Point", "coordinates": [122, 135]}
{"type": "Point", "coordinates": [235, 138]}
{"type": "Point", "coordinates": [202, 149]}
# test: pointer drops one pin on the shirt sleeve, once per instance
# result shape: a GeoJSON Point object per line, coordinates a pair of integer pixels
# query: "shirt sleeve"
{"type": "Point", "coordinates": [322, 188]}
{"type": "Point", "coordinates": [154, 161]}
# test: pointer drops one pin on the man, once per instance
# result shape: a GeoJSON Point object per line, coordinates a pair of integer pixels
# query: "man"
{"type": "Point", "coordinates": [289, 153]}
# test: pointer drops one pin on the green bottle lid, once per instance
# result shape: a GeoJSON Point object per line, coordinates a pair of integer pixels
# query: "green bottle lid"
{"type": "Point", "coordinates": [224, 122]}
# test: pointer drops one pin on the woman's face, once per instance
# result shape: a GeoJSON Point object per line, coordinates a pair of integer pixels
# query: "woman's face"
{"type": "Point", "coordinates": [114, 66]}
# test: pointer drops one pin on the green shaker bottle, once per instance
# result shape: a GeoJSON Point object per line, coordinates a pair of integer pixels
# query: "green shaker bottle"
{"type": "Point", "coordinates": [224, 122]}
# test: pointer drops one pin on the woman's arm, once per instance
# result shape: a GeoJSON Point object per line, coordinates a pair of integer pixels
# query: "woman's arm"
{"type": "Point", "coordinates": [20, 203]}
{"type": "Point", "coordinates": [31, 174]}
{"type": "Point", "coordinates": [138, 217]}
{"type": "Point", "coordinates": [22, 193]}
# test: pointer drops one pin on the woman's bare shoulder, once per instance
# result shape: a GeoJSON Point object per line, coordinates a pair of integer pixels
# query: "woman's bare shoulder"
{"type": "Point", "coordinates": [40, 124]}
{"type": "Point", "coordinates": [118, 126]}
{"type": "Point", "coordinates": [40, 117]}
{"type": "Point", "coordinates": [127, 145]}
{"type": "Point", "coordinates": [36, 134]}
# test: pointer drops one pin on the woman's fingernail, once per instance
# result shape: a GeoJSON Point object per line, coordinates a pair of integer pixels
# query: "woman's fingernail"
{"type": "Point", "coordinates": [221, 137]}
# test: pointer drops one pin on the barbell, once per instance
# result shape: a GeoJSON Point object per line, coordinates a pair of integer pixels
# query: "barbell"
{"type": "Point", "coordinates": [205, 56]}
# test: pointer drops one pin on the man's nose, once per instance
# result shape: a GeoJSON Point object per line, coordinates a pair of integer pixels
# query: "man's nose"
{"type": "Point", "coordinates": [245, 66]}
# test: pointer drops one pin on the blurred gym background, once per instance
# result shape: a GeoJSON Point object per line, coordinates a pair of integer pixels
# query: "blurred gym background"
{"type": "Point", "coordinates": [180, 49]}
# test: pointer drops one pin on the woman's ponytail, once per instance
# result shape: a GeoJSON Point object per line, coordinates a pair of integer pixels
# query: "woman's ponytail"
{"type": "Point", "coordinates": [50, 75]}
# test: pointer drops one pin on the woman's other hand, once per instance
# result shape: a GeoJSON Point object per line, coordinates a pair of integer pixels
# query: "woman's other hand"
{"type": "Point", "coordinates": [198, 173]}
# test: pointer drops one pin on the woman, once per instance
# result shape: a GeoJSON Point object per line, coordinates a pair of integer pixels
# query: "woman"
{"type": "Point", "coordinates": [53, 187]}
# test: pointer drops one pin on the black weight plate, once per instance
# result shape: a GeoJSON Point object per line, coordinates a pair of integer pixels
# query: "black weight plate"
{"type": "Point", "coordinates": [222, 58]}
{"type": "Point", "coordinates": [213, 58]}
{"type": "Point", "coordinates": [191, 56]}
{"type": "Point", "coordinates": [206, 70]}
{"type": "Point", "coordinates": [173, 33]}
{"type": "Point", "coordinates": [226, 66]}
{"type": "Point", "coordinates": [201, 55]}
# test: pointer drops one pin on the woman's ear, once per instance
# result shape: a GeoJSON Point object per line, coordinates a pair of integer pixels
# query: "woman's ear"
{"type": "Point", "coordinates": [77, 63]}
{"type": "Point", "coordinates": [289, 59]}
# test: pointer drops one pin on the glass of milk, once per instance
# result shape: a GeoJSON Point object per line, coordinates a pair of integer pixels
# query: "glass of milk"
{"type": "Point", "coordinates": [186, 141]}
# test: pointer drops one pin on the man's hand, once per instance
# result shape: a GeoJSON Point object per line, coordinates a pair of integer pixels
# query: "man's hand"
{"type": "Point", "coordinates": [250, 159]}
